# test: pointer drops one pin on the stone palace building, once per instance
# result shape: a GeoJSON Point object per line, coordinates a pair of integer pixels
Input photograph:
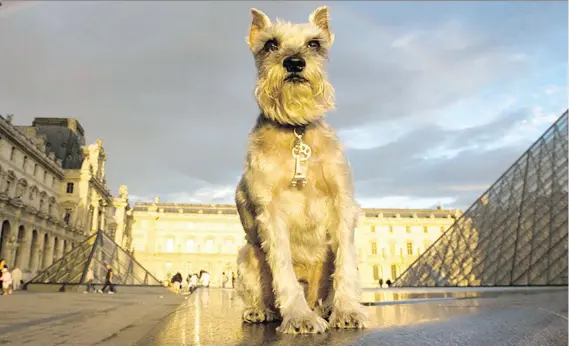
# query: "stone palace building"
{"type": "Point", "coordinates": [168, 237]}
{"type": "Point", "coordinates": [53, 193]}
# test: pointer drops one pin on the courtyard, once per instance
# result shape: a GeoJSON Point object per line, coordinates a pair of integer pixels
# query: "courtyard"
{"type": "Point", "coordinates": [440, 316]}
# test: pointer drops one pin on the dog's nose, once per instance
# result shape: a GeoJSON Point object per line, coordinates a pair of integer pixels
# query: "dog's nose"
{"type": "Point", "coordinates": [294, 64]}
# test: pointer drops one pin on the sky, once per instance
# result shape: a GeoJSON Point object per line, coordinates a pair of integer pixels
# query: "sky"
{"type": "Point", "coordinates": [434, 99]}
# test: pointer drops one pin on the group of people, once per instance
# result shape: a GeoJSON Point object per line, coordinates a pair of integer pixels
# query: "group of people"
{"type": "Point", "coordinates": [9, 281]}
{"type": "Point", "coordinates": [90, 278]}
{"type": "Point", "coordinates": [194, 280]}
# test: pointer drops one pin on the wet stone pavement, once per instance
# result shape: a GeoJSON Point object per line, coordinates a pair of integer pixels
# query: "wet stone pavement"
{"type": "Point", "coordinates": [82, 319]}
{"type": "Point", "coordinates": [397, 317]}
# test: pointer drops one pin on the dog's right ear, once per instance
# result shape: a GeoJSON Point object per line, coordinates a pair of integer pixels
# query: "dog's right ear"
{"type": "Point", "coordinates": [259, 23]}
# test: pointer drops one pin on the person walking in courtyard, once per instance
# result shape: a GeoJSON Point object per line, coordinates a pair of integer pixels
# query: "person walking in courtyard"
{"type": "Point", "coordinates": [89, 277]}
{"type": "Point", "coordinates": [6, 281]}
{"type": "Point", "coordinates": [2, 263]}
{"type": "Point", "coordinates": [108, 281]}
{"type": "Point", "coordinates": [224, 279]}
{"type": "Point", "coordinates": [232, 279]}
{"type": "Point", "coordinates": [177, 282]}
{"type": "Point", "coordinates": [16, 278]}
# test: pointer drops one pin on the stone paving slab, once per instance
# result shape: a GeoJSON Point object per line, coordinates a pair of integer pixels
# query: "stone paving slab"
{"type": "Point", "coordinates": [532, 317]}
{"type": "Point", "coordinates": [81, 319]}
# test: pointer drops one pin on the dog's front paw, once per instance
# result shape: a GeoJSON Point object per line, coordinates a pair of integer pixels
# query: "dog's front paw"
{"type": "Point", "coordinates": [308, 323]}
{"type": "Point", "coordinates": [354, 318]}
{"type": "Point", "coordinates": [256, 315]}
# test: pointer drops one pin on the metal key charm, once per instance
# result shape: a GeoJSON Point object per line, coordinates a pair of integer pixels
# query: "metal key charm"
{"type": "Point", "coordinates": [301, 153]}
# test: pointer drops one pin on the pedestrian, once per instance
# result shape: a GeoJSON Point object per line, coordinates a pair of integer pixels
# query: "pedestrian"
{"type": "Point", "coordinates": [233, 279]}
{"type": "Point", "coordinates": [380, 283]}
{"type": "Point", "coordinates": [2, 263]}
{"type": "Point", "coordinates": [89, 277]}
{"type": "Point", "coordinates": [6, 281]}
{"type": "Point", "coordinates": [16, 278]}
{"type": "Point", "coordinates": [224, 280]}
{"type": "Point", "coordinates": [108, 281]}
{"type": "Point", "coordinates": [177, 282]}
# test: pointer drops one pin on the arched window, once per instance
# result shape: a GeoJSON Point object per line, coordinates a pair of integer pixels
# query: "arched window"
{"type": "Point", "coordinates": [209, 246]}
{"type": "Point", "coordinates": [190, 245]}
{"type": "Point", "coordinates": [169, 244]}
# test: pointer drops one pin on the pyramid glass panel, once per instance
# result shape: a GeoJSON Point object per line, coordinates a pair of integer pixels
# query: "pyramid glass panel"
{"type": "Point", "coordinates": [515, 234]}
{"type": "Point", "coordinates": [96, 252]}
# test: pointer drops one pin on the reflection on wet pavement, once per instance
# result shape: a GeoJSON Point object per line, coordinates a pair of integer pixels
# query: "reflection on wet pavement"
{"type": "Point", "coordinates": [213, 317]}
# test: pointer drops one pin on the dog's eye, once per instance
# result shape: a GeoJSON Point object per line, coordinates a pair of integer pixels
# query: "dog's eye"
{"type": "Point", "coordinates": [271, 45]}
{"type": "Point", "coordinates": [314, 44]}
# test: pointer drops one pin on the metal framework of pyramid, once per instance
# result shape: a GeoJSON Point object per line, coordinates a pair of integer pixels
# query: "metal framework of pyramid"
{"type": "Point", "coordinates": [95, 252]}
{"type": "Point", "coordinates": [515, 234]}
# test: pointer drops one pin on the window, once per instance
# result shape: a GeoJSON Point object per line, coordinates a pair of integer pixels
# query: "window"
{"type": "Point", "coordinates": [52, 181]}
{"type": "Point", "coordinates": [67, 216]}
{"type": "Point", "coordinates": [69, 188]}
{"type": "Point", "coordinates": [375, 272]}
{"type": "Point", "coordinates": [25, 162]}
{"type": "Point", "coordinates": [35, 169]}
{"type": "Point", "coordinates": [393, 272]}
{"type": "Point", "coordinates": [383, 251]}
{"type": "Point", "coordinates": [208, 246]}
{"type": "Point", "coordinates": [409, 248]}
{"type": "Point", "coordinates": [12, 153]}
{"type": "Point", "coordinates": [408, 229]}
{"type": "Point", "coordinates": [190, 245]}
{"type": "Point", "coordinates": [44, 175]}
{"type": "Point", "coordinates": [373, 229]}
{"type": "Point", "coordinates": [170, 245]}
{"type": "Point", "coordinates": [425, 229]}
{"type": "Point", "coordinates": [390, 229]}
{"type": "Point", "coordinates": [373, 248]}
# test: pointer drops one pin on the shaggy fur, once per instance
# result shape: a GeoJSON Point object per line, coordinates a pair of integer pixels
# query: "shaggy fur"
{"type": "Point", "coordinates": [300, 262]}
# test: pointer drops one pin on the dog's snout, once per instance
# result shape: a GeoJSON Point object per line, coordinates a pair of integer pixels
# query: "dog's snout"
{"type": "Point", "coordinates": [294, 64]}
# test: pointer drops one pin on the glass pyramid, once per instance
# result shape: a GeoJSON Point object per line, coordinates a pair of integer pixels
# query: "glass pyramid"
{"type": "Point", "coordinates": [95, 252]}
{"type": "Point", "coordinates": [515, 234]}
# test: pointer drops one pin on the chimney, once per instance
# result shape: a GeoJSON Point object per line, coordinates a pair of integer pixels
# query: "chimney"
{"type": "Point", "coordinates": [9, 118]}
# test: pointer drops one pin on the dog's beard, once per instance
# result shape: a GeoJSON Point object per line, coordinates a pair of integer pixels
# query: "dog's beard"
{"type": "Point", "coordinates": [294, 102]}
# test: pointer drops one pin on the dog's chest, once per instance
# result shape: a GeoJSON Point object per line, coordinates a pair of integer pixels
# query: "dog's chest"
{"type": "Point", "coordinates": [280, 164]}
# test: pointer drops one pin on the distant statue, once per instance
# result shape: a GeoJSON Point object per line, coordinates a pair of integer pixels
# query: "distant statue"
{"type": "Point", "coordinates": [99, 143]}
{"type": "Point", "coordinates": [156, 200]}
{"type": "Point", "coordinates": [123, 192]}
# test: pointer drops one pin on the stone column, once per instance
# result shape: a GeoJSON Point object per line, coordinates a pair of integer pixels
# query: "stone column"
{"type": "Point", "coordinates": [95, 224]}
{"type": "Point", "coordinates": [24, 250]}
{"type": "Point", "coordinates": [60, 248]}
{"type": "Point", "coordinates": [103, 221]}
{"type": "Point", "coordinates": [37, 251]}
{"type": "Point", "coordinates": [48, 252]}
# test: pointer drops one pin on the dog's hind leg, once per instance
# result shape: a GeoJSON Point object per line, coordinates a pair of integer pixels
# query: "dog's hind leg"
{"type": "Point", "coordinates": [254, 285]}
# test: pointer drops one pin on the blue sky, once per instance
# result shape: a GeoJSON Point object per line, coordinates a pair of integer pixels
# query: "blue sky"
{"type": "Point", "coordinates": [434, 99]}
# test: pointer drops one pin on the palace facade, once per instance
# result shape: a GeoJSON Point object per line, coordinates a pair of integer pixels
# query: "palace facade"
{"type": "Point", "coordinates": [168, 237]}
{"type": "Point", "coordinates": [53, 193]}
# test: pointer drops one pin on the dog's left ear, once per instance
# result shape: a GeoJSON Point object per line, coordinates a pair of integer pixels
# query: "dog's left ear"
{"type": "Point", "coordinates": [321, 19]}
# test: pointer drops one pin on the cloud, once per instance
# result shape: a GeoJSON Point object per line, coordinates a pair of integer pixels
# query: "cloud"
{"type": "Point", "coordinates": [169, 86]}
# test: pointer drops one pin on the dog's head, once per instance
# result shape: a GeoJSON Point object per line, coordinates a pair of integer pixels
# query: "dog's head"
{"type": "Point", "coordinates": [292, 87]}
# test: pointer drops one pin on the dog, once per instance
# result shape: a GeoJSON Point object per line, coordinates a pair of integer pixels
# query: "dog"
{"type": "Point", "coordinates": [295, 198]}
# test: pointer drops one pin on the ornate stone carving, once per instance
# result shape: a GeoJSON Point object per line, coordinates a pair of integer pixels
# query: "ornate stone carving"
{"type": "Point", "coordinates": [123, 192]}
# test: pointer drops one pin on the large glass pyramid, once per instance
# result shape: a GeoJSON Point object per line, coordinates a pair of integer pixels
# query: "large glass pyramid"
{"type": "Point", "coordinates": [96, 252]}
{"type": "Point", "coordinates": [515, 234]}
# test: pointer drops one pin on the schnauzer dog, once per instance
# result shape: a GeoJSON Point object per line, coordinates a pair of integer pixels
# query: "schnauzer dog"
{"type": "Point", "coordinates": [295, 198]}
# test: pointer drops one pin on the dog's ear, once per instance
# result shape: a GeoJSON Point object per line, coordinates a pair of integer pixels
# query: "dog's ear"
{"type": "Point", "coordinates": [321, 19]}
{"type": "Point", "coordinates": [259, 23]}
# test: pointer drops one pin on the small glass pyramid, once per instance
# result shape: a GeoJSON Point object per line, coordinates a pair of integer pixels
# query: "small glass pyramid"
{"type": "Point", "coordinates": [95, 252]}
{"type": "Point", "coordinates": [515, 234]}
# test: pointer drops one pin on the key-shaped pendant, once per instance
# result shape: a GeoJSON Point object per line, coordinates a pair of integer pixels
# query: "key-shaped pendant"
{"type": "Point", "coordinates": [301, 153]}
